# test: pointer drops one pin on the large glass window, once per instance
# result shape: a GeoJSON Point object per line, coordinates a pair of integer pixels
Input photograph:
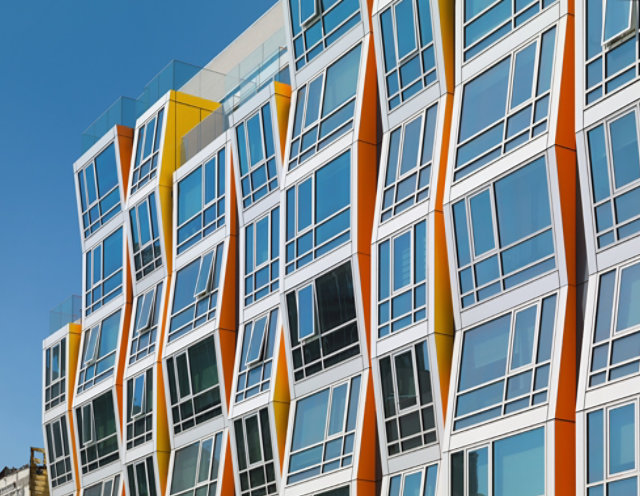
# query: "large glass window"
{"type": "Point", "coordinates": [257, 156]}
{"type": "Point", "coordinates": [99, 352]}
{"type": "Point", "coordinates": [107, 487]}
{"type": "Point", "coordinates": [408, 172]}
{"type": "Point", "coordinates": [505, 467]}
{"type": "Point", "coordinates": [254, 372]}
{"type": "Point", "coordinates": [612, 42]}
{"type": "Point", "coordinates": [505, 364]}
{"type": "Point", "coordinates": [317, 24]}
{"type": "Point", "coordinates": [505, 106]}
{"type": "Point", "coordinates": [261, 257]}
{"type": "Point", "coordinates": [402, 277]}
{"type": "Point", "coordinates": [416, 483]}
{"type": "Point", "coordinates": [195, 293]}
{"type": "Point", "coordinates": [196, 467]}
{"type": "Point", "coordinates": [145, 323]}
{"type": "Point", "coordinates": [322, 322]}
{"type": "Point", "coordinates": [319, 213]}
{"type": "Point", "coordinates": [407, 399]}
{"type": "Point", "coordinates": [55, 374]}
{"type": "Point", "coordinates": [97, 434]}
{"type": "Point", "coordinates": [148, 139]}
{"type": "Point", "coordinates": [142, 481]}
{"type": "Point", "coordinates": [409, 52]}
{"type": "Point", "coordinates": [611, 451]}
{"type": "Point", "coordinates": [201, 202]}
{"type": "Point", "coordinates": [103, 272]}
{"type": "Point", "coordinates": [194, 385]}
{"type": "Point", "coordinates": [486, 21]}
{"type": "Point", "coordinates": [59, 455]}
{"type": "Point", "coordinates": [503, 234]}
{"type": "Point", "coordinates": [145, 237]}
{"type": "Point", "coordinates": [614, 159]}
{"type": "Point", "coordinates": [256, 467]}
{"type": "Point", "coordinates": [98, 190]}
{"type": "Point", "coordinates": [324, 431]}
{"type": "Point", "coordinates": [615, 351]}
{"type": "Point", "coordinates": [325, 108]}
{"type": "Point", "coordinates": [139, 409]}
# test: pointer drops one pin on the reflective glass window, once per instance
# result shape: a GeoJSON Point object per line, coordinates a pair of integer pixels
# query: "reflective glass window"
{"type": "Point", "coordinates": [262, 252]}
{"type": "Point", "coordinates": [148, 139]}
{"type": "Point", "coordinates": [139, 413]}
{"type": "Point", "coordinates": [141, 477]}
{"type": "Point", "coordinates": [196, 467]}
{"type": "Point", "coordinates": [99, 351]}
{"type": "Point", "coordinates": [97, 434]}
{"type": "Point", "coordinates": [107, 487]}
{"type": "Point", "coordinates": [58, 452]}
{"type": "Point", "coordinates": [55, 380]}
{"type": "Point", "coordinates": [103, 272]}
{"type": "Point", "coordinates": [145, 237]}
{"type": "Point", "coordinates": [145, 323]}
{"type": "Point", "coordinates": [254, 450]}
{"type": "Point", "coordinates": [420, 483]}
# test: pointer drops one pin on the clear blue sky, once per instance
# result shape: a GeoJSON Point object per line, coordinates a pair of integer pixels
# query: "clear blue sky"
{"type": "Point", "coordinates": [62, 64]}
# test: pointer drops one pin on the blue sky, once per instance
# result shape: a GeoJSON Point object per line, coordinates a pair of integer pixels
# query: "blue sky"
{"type": "Point", "coordinates": [62, 64]}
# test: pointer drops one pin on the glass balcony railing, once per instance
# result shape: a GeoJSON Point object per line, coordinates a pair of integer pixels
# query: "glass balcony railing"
{"type": "Point", "coordinates": [122, 111]}
{"type": "Point", "coordinates": [70, 310]}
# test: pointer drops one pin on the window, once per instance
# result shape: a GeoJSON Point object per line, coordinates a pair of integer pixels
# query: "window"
{"type": "Point", "coordinates": [611, 451]}
{"type": "Point", "coordinates": [255, 455]}
{"type": "Point", "coordinates": [195, 294]}
{"type": "Point", "coordinates": [196, 467]}
{"type": "Point", "coordinates": [409, 52]}
{"type": "Point", "coordinates": [614, 158]}
{"type": "Point", "coordinates": [99, 352]}
{"type": "Point", "coordinates": [503, 234]}
{"type": "Point", "coordinates": [194, 385]}
{"type": "Point", "coordinates": [422, 482]}
{"type": "Point", "coordinates": [103, 272]}
{"type": "Point", "coordinates": [402, 277]}
{"type": "Point", "coordinates": [142, 481]}
{"type": "Point", "coordinates": [60, 470]}
{"type": "Point", "coordinates": [408, 171]}
{"type": "Point", "coordinates": [257, 156]}
{"type": "Point", "coordinates": [325, 108]}
{"type": "Point", "coordinates": [486, 21]}
{"type": "Point", "coordinates": [505, 364]}
{"type": "Point", "coordinates": [139, 409]}
{"type": "Point", "coordinates": [108, 487]}
{"type": "Point", "coordinates": [254, 373]}
{"type": "Point", "coordinates": [143, 338]}
{"type": "Point", "coordinates": [201, 202]}
{"type": "Point", "coordinates": [319, 213]}
{"type": "Point", "coordinates": [145, 237]}
{"type": "Point", "coordinates": [615, 352]}
{"type": "Point", "coordinates": [612, 42]}
{"type": "Point", "coordinates": [322, 322]}
{"type": "Point", "coordinates": [55, 374]}
{"type": "Point", "coordinates": [317, 24]}
{"type": "Point", "coordinates": [261, 252]}
{"type": "Point", "coordinates": [513, 465]}
{"type": "Point", "coordinates": [506, 105]}
{"type": "Point", "coordinates": [98, 438]}
{"type": "Point", "coordinates": [324, 431]}
{"type": "Point", "coordinates": [408, 401]}
{"type": "Point", "coordinates": [98, 190]}
{"type": "Point", "coordinates": [148, 144]}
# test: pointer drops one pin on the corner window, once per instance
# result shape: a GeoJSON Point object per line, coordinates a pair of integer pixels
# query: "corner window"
{"type": "Point", "coordinates": [107, 487]}
{"type": "Point", "coordinates": [261, 252]}
{"type": "Point", "coordinates": [255, 454]}
{"type": "Point", "coordinates": [147, 154]}
{"type": "Point", "coordinates": [319, 213]}
{"type": "Point", "coordinates": [408, 171]}
{"type": "Point", "coordinates": [254, 372]}
{"type": "Point", "coordinates": [142, 481]}
{"type": "Point", "coordinates": [99, 352]}
{"type": "Point", "coordinates": [103, 272]}
{"type": "Point", "coordinates": [145, 324]}
{"type": "Point", "coordinates": [325, 108]}
{"type": "Point", "coordinates": [505, 364]}
{"type": "Point", "coordinates": [330, 332]}
{"type": "Point", "coordinates": [98, 190]}
{"type": "Point", "coordinates": [324, 431]}
{"type": "Point", "coordinates": [402, 277]}
{"type": "Point", "coordinates": [55, 375]}
{"type": "Point", "coordinates": [195, 293]}
{"type": "Point", "coordinates": [504, 235]}
{"type": "Point", "coordinates": [614, 159]}
{"type": "Point", "coordinates": [505, 106]}
{"type": "Point", "coordinates": [201, 202]}
{"type": "Point", "coordinates": [196, 467]}
{"type": "Point", "coordinates": [194, 386]}
{"type": "Point", "coordinates": [139, 409]}
{"type": "Point", "coordinates": [97, 435]}
{"type": "Point", "coordinates": [59, 455]}
{"type": "Point", "coordinates": [415, 483]}
{"type": "Point", "coordinates": [257, 156]}
{"type": "Point", "coordinates": [145, 237]}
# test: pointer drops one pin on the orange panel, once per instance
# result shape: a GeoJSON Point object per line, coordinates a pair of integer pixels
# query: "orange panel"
{"type": "Point", "coordinates": [565, 133]}
{"type": "Point", "coordinates": [368, 130]}
{"type": "Point", "coordinates": [565, 458]}
{"type": "Point", "coordinates": [368, 461]}
{"type": "Point", "coordinates": [124, 135]}
{"type": "Point", "coordinates": [283, 103]}
{"type": "Point", "coordinates": [124, 340]}
{"type": "Point", "coordinates": [227, 483]}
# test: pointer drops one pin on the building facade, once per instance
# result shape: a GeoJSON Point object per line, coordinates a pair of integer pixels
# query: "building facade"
{"type": "Point", "coordinates": [373, 247]}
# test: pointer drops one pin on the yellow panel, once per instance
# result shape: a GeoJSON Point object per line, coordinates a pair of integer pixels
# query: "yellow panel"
{"type": "Point", "coordinates": [163, 470]}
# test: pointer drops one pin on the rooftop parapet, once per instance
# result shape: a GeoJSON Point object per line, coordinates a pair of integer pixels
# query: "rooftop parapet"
{"type": "Point", "coordinates": [70, 310]}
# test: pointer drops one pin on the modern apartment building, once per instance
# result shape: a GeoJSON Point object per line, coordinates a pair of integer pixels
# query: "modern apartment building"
{"type": "Point", "coordinates": [381, 247]}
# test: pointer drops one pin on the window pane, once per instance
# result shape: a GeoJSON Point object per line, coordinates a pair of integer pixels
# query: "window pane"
{"type": "Point", "coordinates": [605, 306]}
{"type": "Point", "coordinates": [310, 420]}
{"type": "Point", "coordinates": [185, 285]}
{"type": "Point", "coordinates": [523, 75]}
{"type": "Point", "coordinates": [478, 472]}
{"type": "Point", "coordinates": [412, 483]}
{"type": "Point", "coordinates": [598, 162]}
{"type": "Point", "coordinates": [405, 28]}
{"type": "Point", "coordinates": [402, 261]}
{"type": "Point", "coordinates": [616, 18]}
{"type": "Point", "coordinates": [184, 468]}
{"type": "Point", "coordinates": [255, 139]}
{"type": "Point", "coordinates": [333, 187]}
{"type": "Point", "coordinates": [518, 464]}
{"type": "Point", "coordinates": [482, 223]}
{"type": "Point", "coordinates": [336, 301]}
{"type": "Point", "coordinates": [628, 308]}
{"type": "Point", "coordinates": [106, 170]}
{"type": "Point", "coordinates": [338, 403]}
{"type": "Point", "coordinates": [113, 253]}
{"type": "Point", "coordinates": [523, 337]}
{"type": "Point", "coordinates": [595, 443]}
{"type": "Point", "coordinates": [622, 446]}
{"type": "Point", "coordinates": [190, 195]}
{"type": "Point", "coordinates": [410, 148]}
{"type": "Point", "coordinates": [253, 439]}
{"type": "Point", "coordinates": [342, 78]}
{"type": "Point", "coordinates": [257, 337]}
{"type": "Point", "coordinates": [306, 312]}
{"type": "Point", "coordinates": [405, 381]}
{"type": "Point", "coordinates": [202, 365]}
{"type": "Point", "coordinates": [624, 145]}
